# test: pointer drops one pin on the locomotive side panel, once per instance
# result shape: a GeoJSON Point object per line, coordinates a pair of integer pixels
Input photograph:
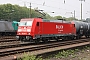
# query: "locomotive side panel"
{"type": "Point", "coordinates": [50, 28]}
{"type": "Point", "coordinates": [9, 26]}
{"type": "Point", "coordinates": [2, 27]}
{"type": "Point", "coordinates": [6, 28]}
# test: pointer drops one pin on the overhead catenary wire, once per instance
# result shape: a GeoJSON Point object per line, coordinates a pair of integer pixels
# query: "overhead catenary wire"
{"type": "Point", "coordinates": [55, 7]}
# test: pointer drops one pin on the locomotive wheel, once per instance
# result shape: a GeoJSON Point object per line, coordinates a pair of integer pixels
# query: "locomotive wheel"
{"type": "Point", "coordinates": [86, 36]}
{"type": "Point", "coordinates": [73, 37]}
{"type": "Point", "coordinates": [17, 37]}
{"type": "Point", "coordinates": [45, 40]}
{"type": "Point", "coordinates": [56, 39]}
{"type": "Point", "coordinates": [78, 37]}
{"type": "Point", "coordinates": [66, 38]}
{"type": "Point", "coordinates": [27, 38]}
{"type": "Point", "coordinates": [37, 41]}
{"type": "Point", "coordinates": [21, 38]}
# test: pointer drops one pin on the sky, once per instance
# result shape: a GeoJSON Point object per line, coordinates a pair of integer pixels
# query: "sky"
{"type": "Point", "coordinates": [64, 8]}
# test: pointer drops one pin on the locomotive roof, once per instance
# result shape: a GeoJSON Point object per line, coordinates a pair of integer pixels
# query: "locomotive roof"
{"type": "Point", "coordinates": [45, 20]}
{"type": "Point", "coordinates": [4, 21]}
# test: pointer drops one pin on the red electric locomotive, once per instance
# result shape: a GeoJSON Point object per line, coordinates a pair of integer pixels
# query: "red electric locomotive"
{"type": "Point", "coordinates": [36, 29]}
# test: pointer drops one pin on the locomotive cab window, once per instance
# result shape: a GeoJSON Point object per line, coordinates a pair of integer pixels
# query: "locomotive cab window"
{"type": "Point", "coordinates": [16, 24]}
{"type": "Point", "coordinates": [37, 23]}
{"type": "Point", "coordinates": [74, 25]}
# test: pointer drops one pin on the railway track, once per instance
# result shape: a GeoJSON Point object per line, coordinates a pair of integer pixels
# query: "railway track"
{"type": "Point", "coordinates": [17, 43]}
{"type": "Point", "coordinates": [30, 48]}
{"type": "Point", "coordinates": [7, 37]}
{"type": "Point", "coordinates": [8, 40]}
{"type": "Point", "coordinates": [13, 45]}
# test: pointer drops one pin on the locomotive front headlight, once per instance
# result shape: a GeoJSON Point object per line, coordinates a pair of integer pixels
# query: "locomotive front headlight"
{"type": "Point", "coordinates": [28, 30]}
{"type": "Point", "coordinates": [19, 30]}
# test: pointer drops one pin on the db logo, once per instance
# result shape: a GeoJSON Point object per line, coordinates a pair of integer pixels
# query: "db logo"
{"type": "Point", "coordinates": [59, 26]}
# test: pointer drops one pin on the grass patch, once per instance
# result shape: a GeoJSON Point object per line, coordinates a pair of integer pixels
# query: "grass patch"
{"type": "Point", "coordinates": [72, 53]}
{"type": "Point", "coordinates": [64, 54]}
{"type": "Point", "coordinates": [30, 57]}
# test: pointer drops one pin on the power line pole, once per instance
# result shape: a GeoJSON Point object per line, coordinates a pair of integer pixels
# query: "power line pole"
{"type": "Point", "coordinates": [81, 10]}
{"type": "Point", "coordinates": [81, 7]}
{"type": "Point", "coordinates": [30, 12]}
{"type": "Point", "coordinates": [64, 1]}
{"type": "Point", "coordinates": [24, 4]}
{"type": "Point", "coordinates": [74, 14]}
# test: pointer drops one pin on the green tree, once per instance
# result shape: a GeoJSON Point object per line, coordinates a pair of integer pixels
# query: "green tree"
{"type": "Point", "coordinates": [71, 18]}
{"type": "Point", "coordinates": [15, 12]}
{"type": "Point", "coordinates": [58, 17]}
